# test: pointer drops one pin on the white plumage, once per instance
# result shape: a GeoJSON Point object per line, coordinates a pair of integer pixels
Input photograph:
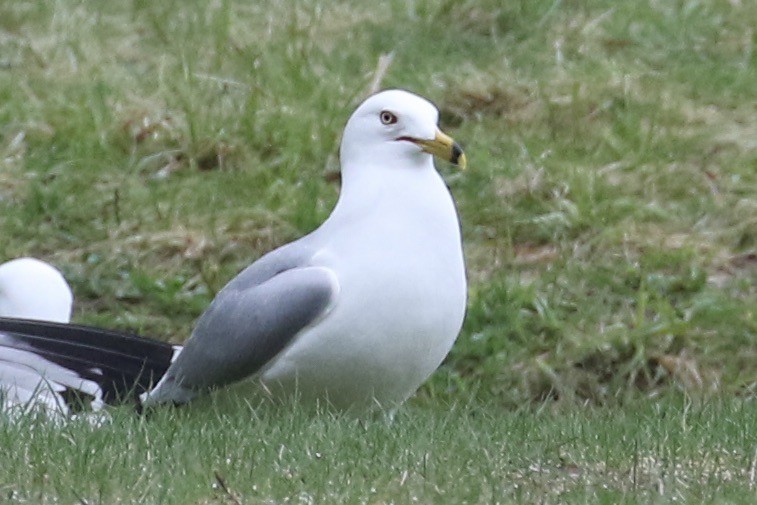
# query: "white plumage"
{"type": "Point", "coordinates": [33, 289]}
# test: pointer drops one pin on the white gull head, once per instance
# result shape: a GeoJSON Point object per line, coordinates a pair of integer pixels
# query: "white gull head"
{"type": "Point", "coordinates": [33, 289]}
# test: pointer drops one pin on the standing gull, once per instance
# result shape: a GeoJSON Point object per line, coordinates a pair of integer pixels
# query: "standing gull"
{"type": "Point", "coordinates": [359, 312]}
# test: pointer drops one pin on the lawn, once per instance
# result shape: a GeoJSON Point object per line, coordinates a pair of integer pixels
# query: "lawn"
{"type": "Point", "coordinates": [151, 150]}
{"type": "Point", "coordinates": [669, 452]}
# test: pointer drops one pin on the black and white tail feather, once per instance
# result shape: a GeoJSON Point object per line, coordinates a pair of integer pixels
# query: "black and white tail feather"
{"type": "Point", "coordinates": [65, 367]}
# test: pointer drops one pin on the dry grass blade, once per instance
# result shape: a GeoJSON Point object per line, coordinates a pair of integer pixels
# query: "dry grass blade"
{"type": "Point", "coordinates": [222, 484]}
{"type": "Point", "coordinates": [382, 67]}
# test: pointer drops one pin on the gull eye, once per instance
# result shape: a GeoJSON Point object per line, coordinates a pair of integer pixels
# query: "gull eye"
{"type": "Point", "coordinates": [387, 117]}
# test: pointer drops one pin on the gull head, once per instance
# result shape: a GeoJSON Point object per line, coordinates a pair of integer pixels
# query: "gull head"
{"type": "Point", "coordinates": [32, 289]}
{"type": "Point", "coordinates": [396, 128]}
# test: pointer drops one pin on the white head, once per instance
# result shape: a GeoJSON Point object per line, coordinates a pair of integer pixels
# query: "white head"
{"type": "Point", "coordinates": [32, 289]}
{"type": "Point", "coordinates": [396, 125]}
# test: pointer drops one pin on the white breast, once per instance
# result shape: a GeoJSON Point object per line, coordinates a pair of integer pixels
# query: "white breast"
{"type": "Point", "coordinates": [400, 307]}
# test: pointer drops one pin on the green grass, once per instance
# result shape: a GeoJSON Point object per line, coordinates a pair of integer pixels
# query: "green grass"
{"type": "Point", "coordinates": [666, 453]}
{"type": "Point", "coordinates": [152, 149]}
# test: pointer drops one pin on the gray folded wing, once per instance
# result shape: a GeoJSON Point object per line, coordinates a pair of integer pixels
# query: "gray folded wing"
{"type": "Point", "coordinates": [251, 321]}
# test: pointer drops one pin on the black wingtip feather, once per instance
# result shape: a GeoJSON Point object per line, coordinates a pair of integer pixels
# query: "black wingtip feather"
{"type": "Point", "coordinates": [124, 365]}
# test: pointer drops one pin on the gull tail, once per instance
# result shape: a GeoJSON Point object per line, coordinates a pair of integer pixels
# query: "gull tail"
{"type": "Point", "coordinates": [70, 366]}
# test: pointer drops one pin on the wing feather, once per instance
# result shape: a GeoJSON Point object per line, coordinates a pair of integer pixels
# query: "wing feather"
{"type": "Point", "coordinates": [245, 327]}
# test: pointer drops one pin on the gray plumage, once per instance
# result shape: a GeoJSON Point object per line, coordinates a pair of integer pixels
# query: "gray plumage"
{"type": "Point", "coordinates": [251, 320]}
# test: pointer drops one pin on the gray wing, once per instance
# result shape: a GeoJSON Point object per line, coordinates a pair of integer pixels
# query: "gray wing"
{"type": "Point", "coordinates": [251, 320]}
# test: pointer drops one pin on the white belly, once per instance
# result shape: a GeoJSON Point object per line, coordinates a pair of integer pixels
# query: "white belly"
{"type": "Point", "coordinates": [407, 325]}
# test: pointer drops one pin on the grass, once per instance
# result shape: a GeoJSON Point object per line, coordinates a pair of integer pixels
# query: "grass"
{"type": "Point", "coordinates": [670, 452]}
{"type": "Point", "coordinates": [153, 149]}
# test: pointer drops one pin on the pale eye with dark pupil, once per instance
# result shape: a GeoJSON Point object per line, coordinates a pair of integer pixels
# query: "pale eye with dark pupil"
{"type": "Point", "coordinates": [388, 118]}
